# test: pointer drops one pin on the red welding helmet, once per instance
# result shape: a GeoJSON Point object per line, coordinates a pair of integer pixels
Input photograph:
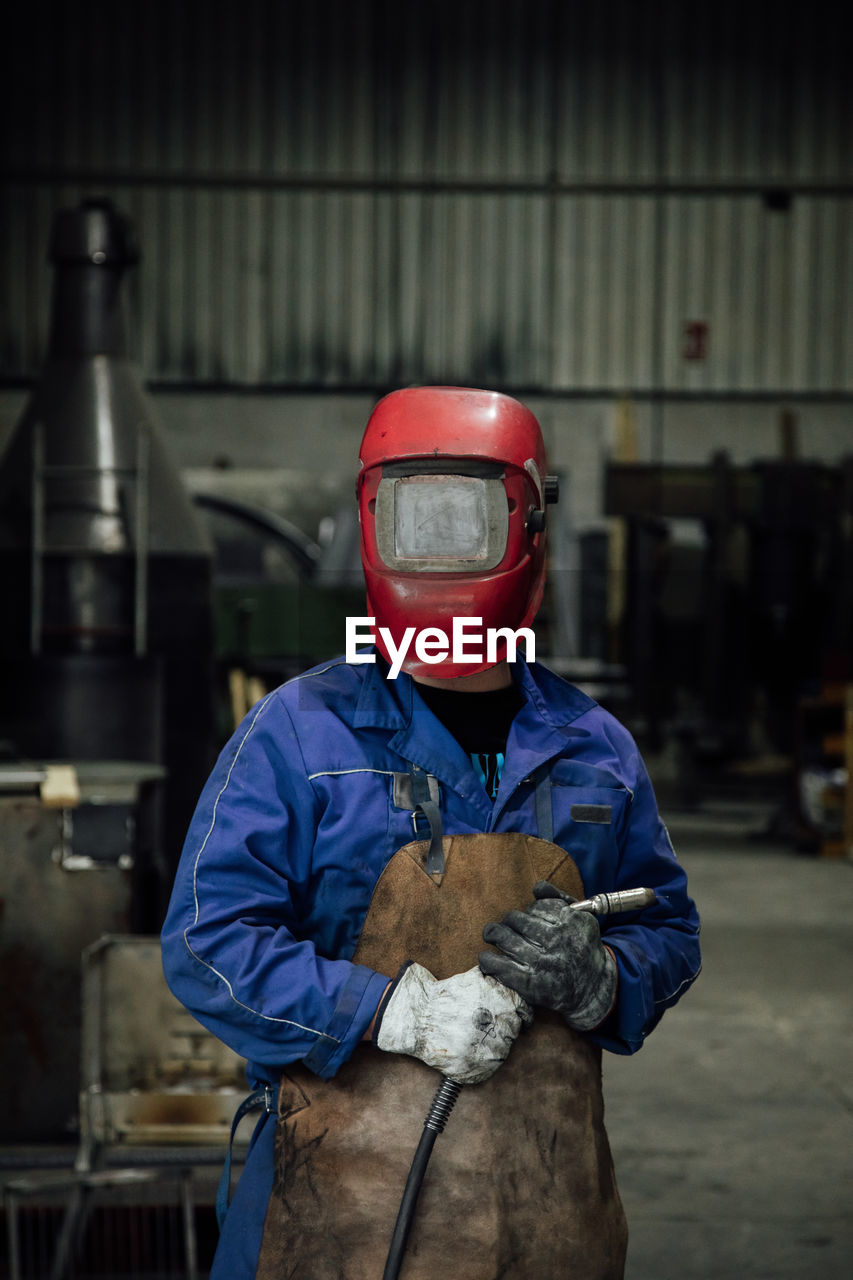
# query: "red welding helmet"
{"type": "Point", "coordinates": [451, 494]}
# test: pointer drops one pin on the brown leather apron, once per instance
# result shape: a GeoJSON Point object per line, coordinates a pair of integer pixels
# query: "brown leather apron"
{"type": "Point", "coordinates": [520, 1185]}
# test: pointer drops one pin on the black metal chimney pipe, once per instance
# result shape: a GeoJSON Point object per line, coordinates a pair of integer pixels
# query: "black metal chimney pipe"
{"type": "Point", "coordinates": [106, 652]}
{"type": "Point", "coordinates": [90, 248]}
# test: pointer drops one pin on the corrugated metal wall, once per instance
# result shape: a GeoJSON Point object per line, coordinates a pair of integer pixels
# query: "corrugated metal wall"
{"type": "Point", "coordinates": [527, 193]}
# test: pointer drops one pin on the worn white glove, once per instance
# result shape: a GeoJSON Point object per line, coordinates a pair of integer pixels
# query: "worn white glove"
{"type": "Point", "coordinates": [463, 1026]}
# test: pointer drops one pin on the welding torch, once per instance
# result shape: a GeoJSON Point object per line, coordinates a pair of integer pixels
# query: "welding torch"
{"type": "Point", "coordinates": [601, 904]}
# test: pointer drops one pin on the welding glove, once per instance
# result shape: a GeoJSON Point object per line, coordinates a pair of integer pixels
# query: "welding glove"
{"type": "Point", "coordinates": [554, 958]}
{"type": "Point", "coordinates": [463, 1026]}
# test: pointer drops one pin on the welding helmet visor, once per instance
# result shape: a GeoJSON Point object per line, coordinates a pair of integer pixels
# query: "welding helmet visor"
{"type": "Point", "coordinates": [429, 520]}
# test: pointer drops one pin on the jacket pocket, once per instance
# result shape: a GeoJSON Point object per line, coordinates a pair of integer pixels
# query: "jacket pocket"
{"type": "Point", "coordinates": [589, 821]}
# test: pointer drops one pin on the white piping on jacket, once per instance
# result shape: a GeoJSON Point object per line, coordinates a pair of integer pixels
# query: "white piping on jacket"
{"type": "Point", "coordinates": [335, 773]}
{"type": "Point", "coordinates": [686, 982]}
{"type": "Point", "coordinates": [267, 1017]}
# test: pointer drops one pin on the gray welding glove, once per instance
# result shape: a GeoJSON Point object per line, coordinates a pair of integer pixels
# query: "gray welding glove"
{"type": "Point", "coordinates": [463, 1026]}
{"type": "Point", "coordinates": [554, 958]}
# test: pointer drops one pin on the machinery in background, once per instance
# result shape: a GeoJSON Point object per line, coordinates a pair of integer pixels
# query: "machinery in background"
{"type": "Point", "coordinates": [728, 633]}
{"type": "Point", "coordinates": [280, 598]}
{"type": "Point", "coordinates": [106, 662]}
{"type": "Point", "coordinates": [158, 1094]}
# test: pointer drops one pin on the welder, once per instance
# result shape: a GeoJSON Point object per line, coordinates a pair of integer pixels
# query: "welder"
{"type": "Point", "coordinates": [378, 887]}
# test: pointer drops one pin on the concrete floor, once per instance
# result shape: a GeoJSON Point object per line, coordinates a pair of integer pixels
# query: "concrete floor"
{"type": "Point", "coordinates": [732, 1129]}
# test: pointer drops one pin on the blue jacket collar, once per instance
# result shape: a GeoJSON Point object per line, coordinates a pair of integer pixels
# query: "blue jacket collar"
{"type": "Point", "coordinates": [539, 732]}
{"type": "Point", "coordinates": [383, 703]}
{"type": "Point", "coordinates": [557, 702]}
{"type": "Point", "coordinates": [387, 704]}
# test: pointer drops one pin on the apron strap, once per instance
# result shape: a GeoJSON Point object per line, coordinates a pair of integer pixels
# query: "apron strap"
{"type": "Point", "coordinates": [425, 801]}
{"type": "Point", "coordinates": [262, 1099]}
{"type": "Point", "coordinates": [542, 798]}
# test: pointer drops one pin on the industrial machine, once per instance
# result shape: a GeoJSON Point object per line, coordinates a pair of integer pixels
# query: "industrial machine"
{"type": "Point", "coordinates": [727, 633]}
{"type": "Point", "coordinates": [106, 651]}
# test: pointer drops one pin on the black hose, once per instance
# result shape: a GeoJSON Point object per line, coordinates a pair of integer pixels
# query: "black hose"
{"type": "Point", "coordinates": [442, 1105]}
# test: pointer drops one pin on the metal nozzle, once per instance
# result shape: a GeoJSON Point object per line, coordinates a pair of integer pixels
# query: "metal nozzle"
{"type": "Point", "coordinates": [608, 904]}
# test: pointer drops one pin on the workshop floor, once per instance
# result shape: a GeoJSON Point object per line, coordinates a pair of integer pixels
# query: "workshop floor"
{"type": "Point", "coordinates": [732, 1130]}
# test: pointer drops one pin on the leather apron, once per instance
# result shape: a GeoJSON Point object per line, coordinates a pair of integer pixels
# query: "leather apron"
{"type": "Point", "coordinates": [521, 1182]}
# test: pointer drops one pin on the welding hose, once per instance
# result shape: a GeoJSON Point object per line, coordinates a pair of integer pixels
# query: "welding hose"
{"type": "Point", "coordinates": [442, 1105]}
{"type": "Point", "coordinates": [602, 904]}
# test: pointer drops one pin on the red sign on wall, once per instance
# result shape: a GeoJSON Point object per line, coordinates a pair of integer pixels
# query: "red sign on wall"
{"type": "Point", "coordinates": [695, 340]}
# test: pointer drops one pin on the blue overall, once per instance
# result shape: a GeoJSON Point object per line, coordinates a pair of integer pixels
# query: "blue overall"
{"type": "Point", "coordinates": [297, 822]}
